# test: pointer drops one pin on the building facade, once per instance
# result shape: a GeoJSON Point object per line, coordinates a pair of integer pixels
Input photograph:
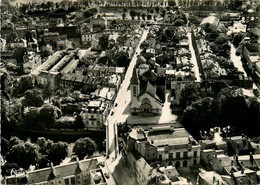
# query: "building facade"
{"type": "Point", "coordinates": [95, 114]}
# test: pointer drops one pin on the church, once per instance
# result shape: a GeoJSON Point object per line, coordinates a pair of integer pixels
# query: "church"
{"type": "Point", "coordinates": [147, 94]}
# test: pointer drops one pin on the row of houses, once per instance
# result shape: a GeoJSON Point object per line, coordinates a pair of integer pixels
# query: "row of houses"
{"type": "Point", "coordinates": [88, 171]}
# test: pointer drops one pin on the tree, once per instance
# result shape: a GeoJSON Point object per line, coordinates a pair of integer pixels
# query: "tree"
{"type": "Point", "coordinates": [254, 114]}
{"type": "Point", "coordinates": [23, 154]}
{"type": "Point", "coordinates": [58, 152]}
{"type": "Point", "coordinates": [51, 152]}
{"type": "Point", "coordinates": [47, 116]}
{"type": "Point", "coordinates": [14, 141]}
{"type": "Point", "coordinates": [33, 98]}
{"type": "Point", "coordinates": [103, 42]}
{"type": "Point", "coordinates": [122, 59]}
{"type": "Point", "coordinates": [163, 12]}
{"type": "Point", "coordinates": [234, 108]}
{"type": "Point", "coordinates": [149, 16]}
{"type": "Point", "coordinates": [14, 19]}
{"type": "Point", "coordinates": [178, 22]}
{"type": "Point", "coordinates": [78, 123]}
{"type": "Point", "coordinates": [157, 9]}
{"type": "Point", "coordinates": [84, 147]}
{"type": "Point", "coordinates": [47, 90]}
{"type": "Point", "coordinates": [143, 16]}
{"type": "Point", "coordinates": [123, 16]}
{"type": "Point", "coordinates": [132, 14]}
{"type": "Point", "coordinates": [237, 39]}
{"type": "Point", "coordinates": [103, 60]}
{"type": "Point", "coordinates": [189, 94]}
{"type": "Point", "coordinates": [28, 36]}
{"type": "Point", "coordinates": [201, 116]}
{"type": "Point", "coordinates": [11, 37]}
{"type": "Point", "coordinates": [31, 118]}
{"type": "Point", "coordinates": [25, 83]}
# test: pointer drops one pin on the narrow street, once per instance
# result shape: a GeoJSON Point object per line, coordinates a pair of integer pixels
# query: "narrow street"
{"type": "Point", "coordinates": [115, 162]}
{"type": "Point", "coordinates": [236, 59]}
{"type": "Point", "coordinates": [193, 59]}
{"type": "Point", "coordinates": [123, 99]}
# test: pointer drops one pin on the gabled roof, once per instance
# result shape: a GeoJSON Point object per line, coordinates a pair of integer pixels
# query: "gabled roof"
{"type": "Point", "coordinates": [39, 175]}
{"type": "Point", "coordinates": [134, 79]}
{"type": "Point", "coordinates": [151, 89]}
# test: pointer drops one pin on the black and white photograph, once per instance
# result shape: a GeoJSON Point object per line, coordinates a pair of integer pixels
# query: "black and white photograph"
{"type": "Point", "coordinates": [130, 92]}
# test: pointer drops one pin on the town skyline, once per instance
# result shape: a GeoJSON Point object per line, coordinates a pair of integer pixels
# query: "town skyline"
{"type": "Point", "coordinates": [130, 92]}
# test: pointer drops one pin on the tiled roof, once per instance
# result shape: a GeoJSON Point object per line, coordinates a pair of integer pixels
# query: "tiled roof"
{"type": "Point", "coordinates": [67, 170]}
{"type": "Point", "coordinates": [39, 175]}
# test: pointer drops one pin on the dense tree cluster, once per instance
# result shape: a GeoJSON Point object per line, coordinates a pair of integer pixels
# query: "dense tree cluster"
{"type": "Point", "coordinates": [221, 46]}
{"type": "Point", "coordinates": [20, 154]}
{"type": "Point", "coordinates": [229, 108]}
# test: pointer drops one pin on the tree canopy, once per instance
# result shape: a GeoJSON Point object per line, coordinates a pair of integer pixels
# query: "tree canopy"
{"type": "Point", "coordinates": [23, 154]}
{"type": "Point", "coordinates": [103, 42]}
{"type": "Point", "coordinates": [84, 147]}
{"type": "Point", "coordinates": [33, 98]}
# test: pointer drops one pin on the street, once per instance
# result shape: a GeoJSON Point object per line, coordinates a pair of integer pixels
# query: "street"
{"type": "Point", "coordinates": [123, 99]}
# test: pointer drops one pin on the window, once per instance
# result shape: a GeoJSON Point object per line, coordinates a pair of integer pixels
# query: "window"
{"type": "Point", "coordinates": [185, 164]}
{"type": "Point", "coordinates": [194, 161]}
{"type": "Point", "coordinates": [178, 154]}
{"type": "Point", "coordinates": [67, 182]}
{"type": "Point", "coordinates": [160, 157]}
{"type": "Point", "coordinates": [195, 153]}
{"type": "Point", "coordinates": [170, 155]}
{"type": "Point", "coordinates": [73, 181]}
{"type": "Point", "coordinates": [177, 164]}
{"type": "Point", "coordinates": [185, 154]}
{"type": "Point", "coordinates": [134, 91]}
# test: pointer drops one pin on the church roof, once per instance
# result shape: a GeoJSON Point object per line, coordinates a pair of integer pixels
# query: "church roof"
{"type": "Point", "coordinates": [134, 79]}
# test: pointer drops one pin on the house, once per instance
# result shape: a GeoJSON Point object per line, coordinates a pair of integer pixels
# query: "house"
{"type": "Point", "coordinates": [88, 37]}
{"type": "Point", "coordinates": [79, 172]}
{"type": "Point", "coordinates": [94, 115]}
{"type": "Point", "coordinates": [95, 43]}
{"type": "Point", "coordinates": [140, 168]}
{"type": "Point", "coordinates": [50, 37]}
{"type": "Point", "coordinates": [207, 155]}
{"type": "Point", "coordinates": [97, 24]}
{"type": "Point", "coordinates": [204, 11]}
{"type": "Point", "coordinates": [210, 22]}
{"type": "Point", "coordinates": [16, 44]}
{"type": "Point", "coordinates": [144, 94]}
{"type": "Point", "coordinates": [164, 145]}
{"type": "Point", "coordinates": [211, 177]}
{"type": "Point", "coordinates": [251, 54]}
{"type": "Point", "coordinates": [169, 16]}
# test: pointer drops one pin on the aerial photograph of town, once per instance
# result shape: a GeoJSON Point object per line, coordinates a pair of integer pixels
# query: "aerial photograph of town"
{"type": "Point", "coordinates": [130, 92]}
